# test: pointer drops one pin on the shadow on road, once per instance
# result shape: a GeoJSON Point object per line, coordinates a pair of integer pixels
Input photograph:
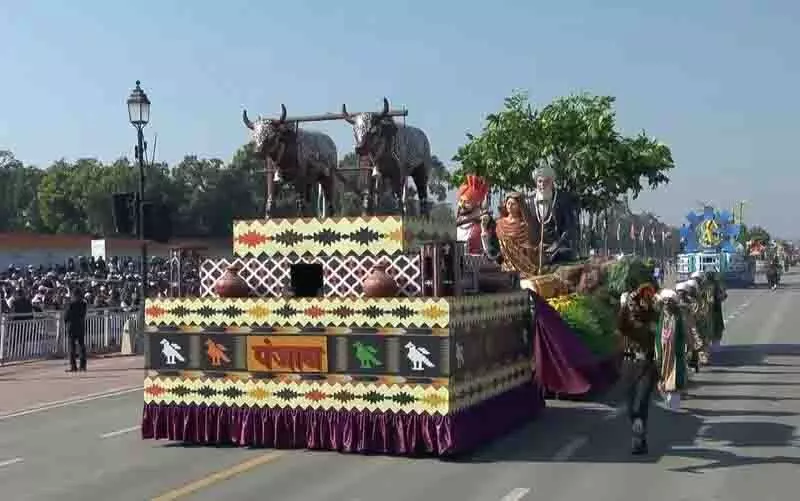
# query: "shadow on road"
{"type": "Point", "coordinates": [756, 373]}
{"type": "Point", "coordinates": [773, 383]}
{"type": "Point", "coordinates": [540, 440]}
{"type": "Point", "coordinates": [20, 376]}
{"type": "Point", "coordinates": [751, 398]}
{"type": "Point", "coordinates": [691, 433]}
{"type": "Point", "coordinates": [673, 434]}
{"type": "Point", "coordinates": [738, 435]}
{"type": "Point", "coordinates": [728, 413]}
{"type": "Point", "coordinates": [739, 355]}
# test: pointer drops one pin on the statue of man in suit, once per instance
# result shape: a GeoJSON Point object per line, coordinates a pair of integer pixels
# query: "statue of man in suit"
{"type": "Point", "coordinates": [554, 218]}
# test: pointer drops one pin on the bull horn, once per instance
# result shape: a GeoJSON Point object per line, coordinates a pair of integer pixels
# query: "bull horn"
{"type": "Point", "coordinates": [385, 106]}
{"type": "Point", "coordinates": [246, 120]}
{"type": "Point", "coordinates": [283, 112]}
{"type": "Point", "coordinates": [347, 117]}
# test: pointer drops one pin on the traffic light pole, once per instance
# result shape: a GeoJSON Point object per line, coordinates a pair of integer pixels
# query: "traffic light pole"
{"type": "Point", "coordinates": [140, 217]}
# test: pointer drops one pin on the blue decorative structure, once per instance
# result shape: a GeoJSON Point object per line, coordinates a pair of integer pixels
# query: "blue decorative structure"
{"type": "Point", "coordinates": [709, 231]}
{"type": "Point", "coordinates": [709, 243]}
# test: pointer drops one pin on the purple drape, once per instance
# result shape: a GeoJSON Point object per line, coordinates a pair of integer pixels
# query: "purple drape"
{"type": "Point", "coordinates": [347, 431]}
{"type": "Point", "coordinates": [563, 365]}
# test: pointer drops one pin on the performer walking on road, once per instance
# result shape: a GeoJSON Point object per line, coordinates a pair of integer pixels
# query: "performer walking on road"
{"type": "Point", "coordinates": [636, 322]}
{"type": "Point", "coordinates": [75, 320]}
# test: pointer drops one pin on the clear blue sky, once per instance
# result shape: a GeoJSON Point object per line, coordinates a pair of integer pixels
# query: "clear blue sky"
{"type": "Point", "coordinates": [717, 80]}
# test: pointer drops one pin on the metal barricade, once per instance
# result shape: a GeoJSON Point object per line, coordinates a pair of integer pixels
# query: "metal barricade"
{"type": "Point", "coordinates": [43, 335]}
{"type": "Point", "coordinates": [28, 336]}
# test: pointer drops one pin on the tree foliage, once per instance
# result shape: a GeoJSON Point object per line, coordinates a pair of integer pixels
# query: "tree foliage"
{"type": "Point", "coordinates": [577, 136]}
{"type": "Point", "coordinates": [204, 194]}
{"type": "Point", "coordinates": [758, 233]}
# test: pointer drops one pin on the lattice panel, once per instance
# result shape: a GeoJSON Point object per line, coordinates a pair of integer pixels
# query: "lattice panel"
{"type": "Point", "coordinates": [341, 275]}
{"type": "Point", "coordinates": [473, 263]}
{"type": "Point", "coordinates": [472, 266]}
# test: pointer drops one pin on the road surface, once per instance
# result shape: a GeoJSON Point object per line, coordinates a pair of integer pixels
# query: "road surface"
{"type": "Point", "coordinates": [737, 440]}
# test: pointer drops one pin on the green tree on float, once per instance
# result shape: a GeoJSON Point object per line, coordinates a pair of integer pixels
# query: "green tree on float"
{"type": "Point", "coordinates": [742, 236]}
{"type": "Point", "coordinates": [759, 234]}
{"type": "Point", "coordinates": [577, 137]}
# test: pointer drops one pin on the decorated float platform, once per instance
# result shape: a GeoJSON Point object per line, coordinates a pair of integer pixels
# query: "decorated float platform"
{"type": "Point", "coordinates": [577, 350]}
{"type": "Point", "coordinates": [367, 335]}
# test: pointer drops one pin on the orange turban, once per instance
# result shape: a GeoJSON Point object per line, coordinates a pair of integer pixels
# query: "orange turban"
{"type": "Point", "coordinates": [474, 190]}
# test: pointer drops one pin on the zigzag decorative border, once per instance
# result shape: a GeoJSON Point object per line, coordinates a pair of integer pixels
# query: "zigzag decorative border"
{"type": "Point", "coordinates": [305, 395]}
{"type": "Point", "coordinates": [389, 313]}
{"type": "Point", "coordinates": [332, 236]}
{"type": "Point", "coordinates": [298, 378]}
{"type": "Point", "coordinates": [468, 310]}
{"type": "Point", "coordinates": [485, 386]}
{"type": "Point", "coordinates": [381, 396]}
{"type": "Point", "coordinates": [299, 312]}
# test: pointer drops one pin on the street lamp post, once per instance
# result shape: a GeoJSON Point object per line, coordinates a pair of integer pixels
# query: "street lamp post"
{"type": "Point", "coordinates": [139, 115]}
{"type": "Point", "coordinates": [740, 218]}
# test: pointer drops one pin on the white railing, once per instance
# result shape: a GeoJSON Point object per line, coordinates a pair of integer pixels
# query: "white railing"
{"type": "Point", "coordinates": [43, 335]}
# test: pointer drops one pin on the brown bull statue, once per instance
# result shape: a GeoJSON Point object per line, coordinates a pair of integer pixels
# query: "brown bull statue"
{"type": "Point", "coordinates": [395, 151]}
{"type": "Point", "coordinates": [302, 157]}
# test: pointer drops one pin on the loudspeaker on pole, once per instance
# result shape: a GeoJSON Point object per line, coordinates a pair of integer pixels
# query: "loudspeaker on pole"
{"type": "Point", "coordinates": [122, 210]}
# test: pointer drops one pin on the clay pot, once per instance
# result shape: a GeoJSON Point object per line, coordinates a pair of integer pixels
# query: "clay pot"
{"type": "Point", "coordinates": [378, 282]}
{"type": "Point", "coordinates": [231, 285]}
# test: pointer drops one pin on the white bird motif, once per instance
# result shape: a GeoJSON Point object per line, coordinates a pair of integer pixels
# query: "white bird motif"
{"type": "Point", "coordinates": [172, 352]}
{"type": "Point", "coordinates": [417, 355]}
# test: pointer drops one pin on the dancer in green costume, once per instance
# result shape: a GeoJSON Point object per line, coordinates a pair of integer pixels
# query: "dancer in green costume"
{"type": "Point", "coordinates": [671, 347]}
{"type": "Point", "coordinates": [698, 322]}
{"type": "Point", "coordinates": [718, 296]}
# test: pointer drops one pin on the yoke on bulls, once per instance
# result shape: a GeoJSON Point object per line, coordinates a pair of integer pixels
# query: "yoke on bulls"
{"type": "Point", "coordinates": [395, 152]}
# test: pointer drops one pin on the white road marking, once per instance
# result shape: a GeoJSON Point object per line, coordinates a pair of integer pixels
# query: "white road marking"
{"type": "Point", "coordinates": [516, 494]}
{"type": "Point", "coordinates": [617, 412]}
{"type": "Point", "coordinates": [570, 448]}
{"type": "Point", "coordinates": [9, 462]}
{"type": "Point", "coordinates": [71, 401]}
{"type": "Point", "coordinates": [120, 432]}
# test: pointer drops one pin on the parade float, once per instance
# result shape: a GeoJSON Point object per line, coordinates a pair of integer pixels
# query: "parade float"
{"type": "Point", "coordinates": [577, 349]}
{"type": "Point", "coordinates": [709, 245]}
{"type": "Point", "coordinates": [367, 334]}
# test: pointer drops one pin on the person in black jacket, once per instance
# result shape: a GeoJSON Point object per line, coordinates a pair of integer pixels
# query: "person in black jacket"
{"type": "Point", "coordinates": [21, 307]}
{"type": "Point", "coordinates": [75, 320]}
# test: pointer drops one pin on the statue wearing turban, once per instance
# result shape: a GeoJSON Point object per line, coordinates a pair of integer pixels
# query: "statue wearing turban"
{"type": "Point", "coordinates": [474, 222]}
{"type": "Point", "coordinates": [553, 216]}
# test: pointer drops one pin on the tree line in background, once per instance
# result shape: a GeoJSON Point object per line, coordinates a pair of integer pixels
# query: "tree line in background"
{"type": "Point", "coordinates": [576, 135]}
{"type": "Point", "coordinates": [204, 195]}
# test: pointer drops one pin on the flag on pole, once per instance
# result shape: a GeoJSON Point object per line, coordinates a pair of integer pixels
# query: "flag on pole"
{"type": "Point", "coordinates": [633, 231]}
{"type": "Point", "coordinates": [619, 231]}
{"type": "Point", "coordinates": [653, 235]}
{"type": "Point", "coordinates": [641, 234]}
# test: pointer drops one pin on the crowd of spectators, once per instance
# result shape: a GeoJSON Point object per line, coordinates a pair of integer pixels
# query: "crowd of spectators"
{"type": "Point", "coordinates": [112, 284]}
